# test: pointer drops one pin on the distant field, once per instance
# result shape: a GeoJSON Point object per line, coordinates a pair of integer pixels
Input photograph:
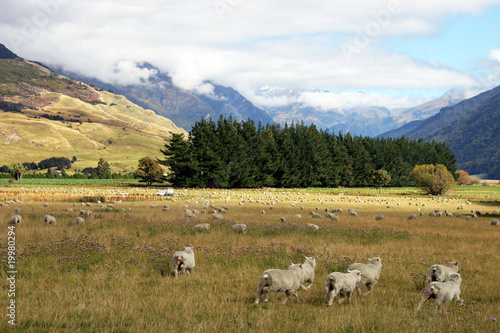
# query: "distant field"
{"type": "Point", "coordinates": [113, 274]}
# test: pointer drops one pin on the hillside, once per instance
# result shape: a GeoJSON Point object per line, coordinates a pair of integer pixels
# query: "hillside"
{"type": "Point", "coordinates": [44, 115]}
{"type": "Point", "coordinates": [183, 107]}
{"type": "Point", "coordinates": [470, 128]}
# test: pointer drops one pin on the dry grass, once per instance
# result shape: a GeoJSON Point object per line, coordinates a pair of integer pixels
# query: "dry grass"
{"type": "Point", "coordinates": [113, 274]}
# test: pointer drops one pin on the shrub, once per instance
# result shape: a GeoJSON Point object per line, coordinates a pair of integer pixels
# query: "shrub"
{"type": "Point", "coordinates": [435, 180]}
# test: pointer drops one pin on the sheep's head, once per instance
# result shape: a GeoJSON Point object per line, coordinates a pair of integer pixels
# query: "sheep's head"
{"type": "Point", "coordinates": [311, 261]}
{"type": "Point", "coordinates": [375, 261]}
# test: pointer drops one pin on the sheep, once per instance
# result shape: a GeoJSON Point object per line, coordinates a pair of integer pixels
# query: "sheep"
{"type": "Point", "coordinates": [342, 284]}
{"type": "Point", "coordinates": [412, 217]}
{"type": "Point", "coordinates": [69, 209]}
{"type": "Point", "coordinates": [183, 260]}
{"type": "Point", "coordinates": [308, 267]}
{"type": "Point", "coordinates": [263, 212]}
{"type": "Point", "coordinates": [315, 215]}
{"type": "Point", "coordinates": [202, 226]}
{"type": "Point", "coordinates": [312, 226]}
{"type": "Point", "coordinates": [379, 217]}
{"type": "Point", "coordinates": [275, 280]}
{"type": "Point", "coordinates": [87, 213]}
{"type": "Point", "coordinates": [49, 219]}
{"type": "Point", "coordinates": [16, 210]}
{"type": "Point", "coordinates": [495, 222]}
{"type": "Point", "coordinates": [282, 219]}
{"type": "Point", "coordinates": [79, 220]}
{"type": "Point", "coordinates": [298, 216]}
{"type": "Point", "coordinates": [353, 212]}
{"type": "Point", "coordinates": [45, 205]}
{"type": "Point", "coordinates": [189, 214]}
{"type": "Point", "coordinates": [441, 273]}
{"type": "Point", "coordinates": [217, 216]}
{"type": "Point", "coordinates": [442, 292]}
{"type": "Point", "coordinates": [16, 219]}
{"type": "Point", "coordinates": [370, 274]}
{"type": "Point", "coordinates": [240, 228]}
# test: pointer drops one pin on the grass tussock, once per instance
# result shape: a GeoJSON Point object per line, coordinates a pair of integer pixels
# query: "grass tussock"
{"type": "Point", "coordinates": [113, 274]}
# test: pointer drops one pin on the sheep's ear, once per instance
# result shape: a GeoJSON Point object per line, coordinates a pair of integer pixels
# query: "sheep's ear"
{"type": "Point", "coordinates": [348, 271]}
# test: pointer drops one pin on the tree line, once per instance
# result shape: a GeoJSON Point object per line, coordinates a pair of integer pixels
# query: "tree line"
{"type": "Point", "coordinates": [233, 154]}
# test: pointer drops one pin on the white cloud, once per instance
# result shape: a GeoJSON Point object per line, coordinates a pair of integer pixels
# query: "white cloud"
{"type": "Point", "coordinates": [495, 55]}
{"type": "Point", "coordinates": [240, 43]}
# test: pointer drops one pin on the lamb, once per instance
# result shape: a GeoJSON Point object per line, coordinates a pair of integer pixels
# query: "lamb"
{"type": "Point", "coordinates": [275, 280]}
{"type": "Point", "coordinates": [441, 273]}
{"type": "Point", "coordinates": [79, 220]}
{"type": "Point", "coordinates": [442, 292]}
{"type": "Point", "coordinates": [202, 227]}
{"type": "Point", "coordinates": [240, 228]}
{"type": "Point", "coordinates": [16, 219]}
{"type": "Point", "coordinates": [17, 210]}
{"type": "Point", "coordinates": [183, 260]}
{"type": "Point", "coordinates": [342, 284]}
{"type": "Point", "coordinates": [370, 274]}
{"type": "Point", "coordinates": [49, 219]}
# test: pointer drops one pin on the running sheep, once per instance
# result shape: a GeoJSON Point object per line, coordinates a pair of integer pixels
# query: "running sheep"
{"type": "Point", "coordinates": [442, 273]}
{"type": "Point", "coordinates": [183, 261]}
{"type": "Point", "coordinates": [276, 280]}
{"type": "Point", "coordinates": [240, 228]}
{"type": "Point", "coordinates": [342, 284]}
{"type": "Point", "coordinates": [370, 274]}
{"type": "Point", "coordinates": [308, 266]}
{"type": "Point", "coordinates": [442, 292]}
{"type": "Point", "coordinates": [49, 219]}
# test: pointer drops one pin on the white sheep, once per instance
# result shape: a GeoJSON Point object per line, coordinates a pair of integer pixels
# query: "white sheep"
{"type": "Point", "coordinates": [217, 216]}
{"type": "Point", "coordinates": [240, 228]}
{"type": "Point", "coordinates": [276, 280]}
{"type": "Point", "coordinates": [315, 215]}
{"type": "Point", "coordinates": [183, 261]}
{"type": "Point", "coordinates": [49, 219]}
{"type": "Point", "coordinates": [189, 214]}
{"type": "Point", "coordinates": [370, 274]}
{"type": "Point", "coordinates": [87, 213]}
{"type": "Point", "coordinates": [495, 222]}
{"type": "Point", "coordinates": [16, 219]}
{"type": "Point", "coordinates": [379, 217]}
{"type": "Point", "coordinates": [442, 273]}
{"type": "Point", "coordinates": [17, 210]}
{"type": "Point", "coordinates": [442, 292]}
{"type": "Point", "coordinates": [308, 266]}
{"type": "Point", "coordinates": [342, 284]}
{"type": "Point", "coordinates": [312, 226]}
{"type": "Point", "coordinates": [79, 220]}
{"type": "Point", "coordinates": [412, 217]}
{"type": "Point", "coordinates": [202, 227]}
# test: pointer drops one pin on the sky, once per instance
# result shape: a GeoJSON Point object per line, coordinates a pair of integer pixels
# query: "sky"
{"type": "Point", "coordinates": [393, 53]}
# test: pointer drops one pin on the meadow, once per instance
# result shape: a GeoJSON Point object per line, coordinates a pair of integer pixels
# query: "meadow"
{"type": "Point", "coordinates": [113, 274]}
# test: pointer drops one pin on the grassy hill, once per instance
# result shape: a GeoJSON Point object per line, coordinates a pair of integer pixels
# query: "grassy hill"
{"type": "Point", "coordinates": [44, 115]}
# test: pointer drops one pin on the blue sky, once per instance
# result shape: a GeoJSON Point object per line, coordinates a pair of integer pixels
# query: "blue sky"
{"type": "Point", "coordinates": [393, 53]}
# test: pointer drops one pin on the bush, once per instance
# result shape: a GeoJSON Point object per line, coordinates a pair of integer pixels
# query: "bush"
{"type": "Point", "coordinates": [435, 180]}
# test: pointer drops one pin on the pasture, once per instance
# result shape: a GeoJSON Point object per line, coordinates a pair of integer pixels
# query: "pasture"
{"type": "Point", "coordinates": [113, 273]}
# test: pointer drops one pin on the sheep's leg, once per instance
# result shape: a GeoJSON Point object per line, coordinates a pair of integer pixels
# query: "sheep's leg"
{"type": "Point", "coordinates": [296, 294]}
{"type": "Point", "coordinates": [370, 287]}
{"type": "Point", "coordinates": [309, 286]}
{"type": "Point", "coordinates": [424, 298]}
{"type": "Point", "coordinates": [176, 274]}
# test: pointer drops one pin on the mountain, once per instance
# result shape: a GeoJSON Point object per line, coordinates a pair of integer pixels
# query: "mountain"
{"type": "Point", "coordinates": [44, 115]}
{"type": "Point", "coordinates": [363, 120]}
{"type": "Point", "coordinates": [5, 53]}
{"type": "Point", "coordinates": [470, 128]}
{"type": "Point", "coordinates": [183, 107]}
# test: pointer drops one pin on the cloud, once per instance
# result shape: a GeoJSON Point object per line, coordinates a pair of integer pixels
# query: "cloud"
{"type": "Point", "coordinates": [240, 43]}
{"type": "Point", "coordinates": [494, 55]}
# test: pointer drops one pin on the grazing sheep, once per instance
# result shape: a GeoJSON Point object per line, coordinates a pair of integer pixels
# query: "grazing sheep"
{"type": "Point", "coordinates": [45, 205]}
{"type": "Point", "coordinates": [442, 292]}
{"type": "Point", "coordinates": [49, 219]}
{"type": "Point", "coordinates": [16, 210]}
{"type": "Point", "coordinates": [298, 216]}
{"type": "Point", "coordinates": [16, 219]}
{"type": "Point", "coordinates": [312, 226]}
{"type": "Point", "coordinates": [79, 220]}
{"type": "Point", "coordinates": [353, 212]}
{"type": "Point", "coordinates": [152, 206]}
{"type": "Point", "coordinates": [240, 228]}
{"type": "Point", "coordinates": [217, 216]}
{"type": "Point", "coordinates": [342, 284]}
{"type": "Point", "coordinates": [412, 217]}
{"type": "Point", "coordinates": [262, 212]}
{"type": "Point", "coordinates": [379, 217]}
{"type": "Point", "coordinates": [189, 214]}
{"type": "Point", "coordinates": [467, 218]}
{"type": "Point", "coordinates": [69, 209]}
{"type": "Point", "coordinates": [282, 219]}
{"type": "Point", "coordinates": [202, 227]}
{"type": "Point", "coordinates": [275, 280]}
{"type": "Point", "coordinates": [183, 261]}
{"type": "Point", "coordinates": [370, 274]}
{"type": "Point", "coordinates": [495, 222]}
{"type": "Point", "coordinates": [315, 215]}
{"type": "Point", "coordinates": [308, 266]}
{"type": "Point", "coordinates": [87, 213]}
{"type": "Point", "coordinates": [442, 273]}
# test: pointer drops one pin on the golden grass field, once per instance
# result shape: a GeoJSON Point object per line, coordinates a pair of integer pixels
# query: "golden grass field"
{"type": "Point", "coordinates": [113, 274]}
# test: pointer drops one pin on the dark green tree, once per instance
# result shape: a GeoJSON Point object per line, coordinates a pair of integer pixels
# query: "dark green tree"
{"type": "Point", "coordinates": [17, 170]}
{"type": "Point", "coordinates": [103, 169]}
{"type": "Point", "coordinates": [381, 178]}
{"type": "Point", "coordinates": [149, 170]}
